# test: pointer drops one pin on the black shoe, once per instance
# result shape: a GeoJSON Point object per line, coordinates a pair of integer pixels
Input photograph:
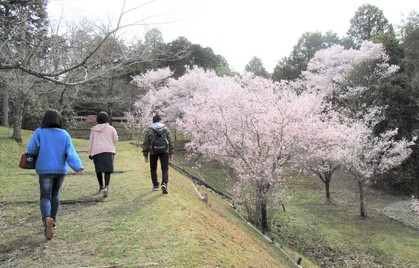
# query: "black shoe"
{"type": "Point", "coordinates": [155, 188]}
{"type": "Point", "coordinates": [164, 189]}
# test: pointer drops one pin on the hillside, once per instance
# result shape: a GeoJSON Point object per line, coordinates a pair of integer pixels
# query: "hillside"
{"type": "Point", "coordinates": [133, 227]}
{"type": "Point", "coordinates": [331, 233]}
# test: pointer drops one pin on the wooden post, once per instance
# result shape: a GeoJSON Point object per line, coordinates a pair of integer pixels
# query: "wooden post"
{"type": "Point", "coordinates": [206, 198]}
{"type": "Point", "coordinates": [299, 260]}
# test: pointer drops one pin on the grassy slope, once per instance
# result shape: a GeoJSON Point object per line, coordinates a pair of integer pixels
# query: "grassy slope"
{"type": "Point", "coordinates": [132, 227]}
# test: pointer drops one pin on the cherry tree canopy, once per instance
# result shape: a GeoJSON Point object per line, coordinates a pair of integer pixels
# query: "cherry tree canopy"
{"type": "Point", "coordinates": [257, 126]}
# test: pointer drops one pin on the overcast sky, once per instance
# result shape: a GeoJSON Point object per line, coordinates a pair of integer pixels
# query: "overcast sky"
{"type": "Point", "coordinates": [235, 29]}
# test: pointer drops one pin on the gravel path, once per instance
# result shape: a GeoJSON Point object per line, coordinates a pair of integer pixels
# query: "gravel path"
{"type": "Point", "coordinates": [395, 207]}
{"type": "Point", "coordinates": [401, 212]}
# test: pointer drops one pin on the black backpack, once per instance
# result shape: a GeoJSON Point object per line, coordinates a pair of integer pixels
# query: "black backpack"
{"type": "Point", "coordinates": [159, 142]}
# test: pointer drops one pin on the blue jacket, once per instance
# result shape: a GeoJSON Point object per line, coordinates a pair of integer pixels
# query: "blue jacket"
{"type": "Point", "coordinates": [55, 151]}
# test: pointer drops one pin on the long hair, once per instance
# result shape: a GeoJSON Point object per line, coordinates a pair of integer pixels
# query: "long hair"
{"type": "Point", "coordinates": [52, 119]}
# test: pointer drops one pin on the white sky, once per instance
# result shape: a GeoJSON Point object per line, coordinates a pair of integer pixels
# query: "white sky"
{"type": "Point", "coordinates": [235, 29]}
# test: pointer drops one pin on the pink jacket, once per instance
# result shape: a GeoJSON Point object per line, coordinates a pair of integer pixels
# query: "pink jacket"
{"type": "Point", "coordinates": [102, 139]}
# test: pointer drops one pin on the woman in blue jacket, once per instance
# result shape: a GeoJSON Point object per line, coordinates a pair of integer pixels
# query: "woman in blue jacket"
{"type": "Point", "coordinates": [55, 152]}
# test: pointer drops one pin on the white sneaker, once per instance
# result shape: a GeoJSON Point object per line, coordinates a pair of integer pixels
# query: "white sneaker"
{"type": "Point", "coordinates": [164, 189]}
{"type": "Point", "coordinates": [105, 192]}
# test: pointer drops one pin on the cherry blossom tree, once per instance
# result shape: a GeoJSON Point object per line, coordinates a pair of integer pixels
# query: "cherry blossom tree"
{"type": "Point", "coordinates": [342, 77]}
{"type": "Point", "coordinates": [322, 153]}
{"type": "Point", "coordinates": [251, 124]}
{"type": "Point", "coordinates": [169, 96]}
{"type": "Point", "coordinates": [258, 127]}
{"type": "Point", "coordinates": [143, 109]}
{"type": "Point", "coordinates": [366, 155]}
{"type": "Point", "coordinates": [254, 126]}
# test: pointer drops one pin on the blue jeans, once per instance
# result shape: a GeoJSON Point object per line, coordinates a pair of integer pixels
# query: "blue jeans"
{"type": "Point", "coordinates": [50, 185]}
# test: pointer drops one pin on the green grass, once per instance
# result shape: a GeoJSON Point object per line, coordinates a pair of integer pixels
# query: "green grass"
{"type": "Point", "coordinates": [334, 235]}
{"type": "Point", "coordinates": [208, 171]}
{"type": "Point", "coordinates": [133, 227]}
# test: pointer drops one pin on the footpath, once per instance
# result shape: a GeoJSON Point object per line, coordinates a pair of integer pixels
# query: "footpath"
{"type": "Point", "coordinates": [395, 207]}
{"type": "Point", "coordinates": [401, 212]}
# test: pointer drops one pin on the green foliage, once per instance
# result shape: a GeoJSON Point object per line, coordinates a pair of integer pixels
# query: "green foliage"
{"type": "Point", "coordinates": [410, 43]}
{"type": "Point", "coordinates": [194, 55]}
{"type": "Point", "coordinates": [392, 47]}
{"type": "Point", "coordinates": [290, 68]}
{"type": "Point", "coordinates": [22, 25]}
{"type": "Point", "coordinates": [368, 22]}
{"type": "Point", "coordinates": [68, 114]}
{"type": "Point", "coordinates": [256, 67]}
{"type": "Point", "coordinates": [399, 100]}
{"type": "Point", "coordinates": [284, 70]}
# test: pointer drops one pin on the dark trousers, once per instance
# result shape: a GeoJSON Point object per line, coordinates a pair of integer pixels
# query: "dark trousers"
{"type": "Point", "coordinates": [99, 177]}
{"type": "Point", "coordinates": [164, 163]}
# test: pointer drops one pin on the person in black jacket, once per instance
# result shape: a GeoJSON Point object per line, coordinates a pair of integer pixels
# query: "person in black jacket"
{"type": "Point", "coordinates": [158, 143]}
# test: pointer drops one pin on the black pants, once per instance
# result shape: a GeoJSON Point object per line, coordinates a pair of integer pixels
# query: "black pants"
{"type": "Point", "coordinates": [164, 163]}
{"type": "Point", "coordinates": [99, 177]}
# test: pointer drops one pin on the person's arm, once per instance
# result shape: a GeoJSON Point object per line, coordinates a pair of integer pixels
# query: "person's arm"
{"type": "Point", "coordinates": [171, 145]}
{"type": "Point", "coordinates": [146, 146]}
{"type": "Point", "coordinates": [33, 145]}
{"type": "Point", "coordinates": [91, 140]}
{"type": "Point", "coordinates": [73, 159]}
{"type": "Point", "coordinates": [115, 137]}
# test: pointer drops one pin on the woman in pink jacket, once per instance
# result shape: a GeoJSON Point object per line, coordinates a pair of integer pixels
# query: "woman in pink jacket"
{"type": "Point", "coordinates": [102, 150]}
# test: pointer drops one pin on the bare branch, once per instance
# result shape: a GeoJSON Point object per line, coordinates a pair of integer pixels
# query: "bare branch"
{"type": "Point", "coordinates": [56, 74]}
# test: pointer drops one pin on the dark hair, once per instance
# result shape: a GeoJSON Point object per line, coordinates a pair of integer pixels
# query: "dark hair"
{"type": "Point", "coordinates": [102, 118]}
{"type": "Point", "coordinates": [52, 119]}
{"type": "Point", "coordinates": [156, 118]}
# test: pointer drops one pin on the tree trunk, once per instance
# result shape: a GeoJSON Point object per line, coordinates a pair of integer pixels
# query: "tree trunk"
{"type": "Point", "coordinates": [5, 106]}
{"type": "Point", "coordinates": [17, 121]}
{"type": "Point", "coordinates": [362, 198]}
{"type": "Point", "coordinates": [261, 206]}
{"type": "Point", "coordinates": [416, 173]}
{"type": "Point", "coordinates": [264, 216]}
{"type": "Point", "coordinates": [327, 180]}
{"type": "Point", "coordinates": [110, 109]}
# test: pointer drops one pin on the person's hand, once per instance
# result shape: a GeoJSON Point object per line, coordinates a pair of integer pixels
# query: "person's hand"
{"type": "Point", "coordinates": [80, 171]}
{"type": "Point", "coordinates": [171, 157]}
{"type": "Point", "coordinates": [146, 159]}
